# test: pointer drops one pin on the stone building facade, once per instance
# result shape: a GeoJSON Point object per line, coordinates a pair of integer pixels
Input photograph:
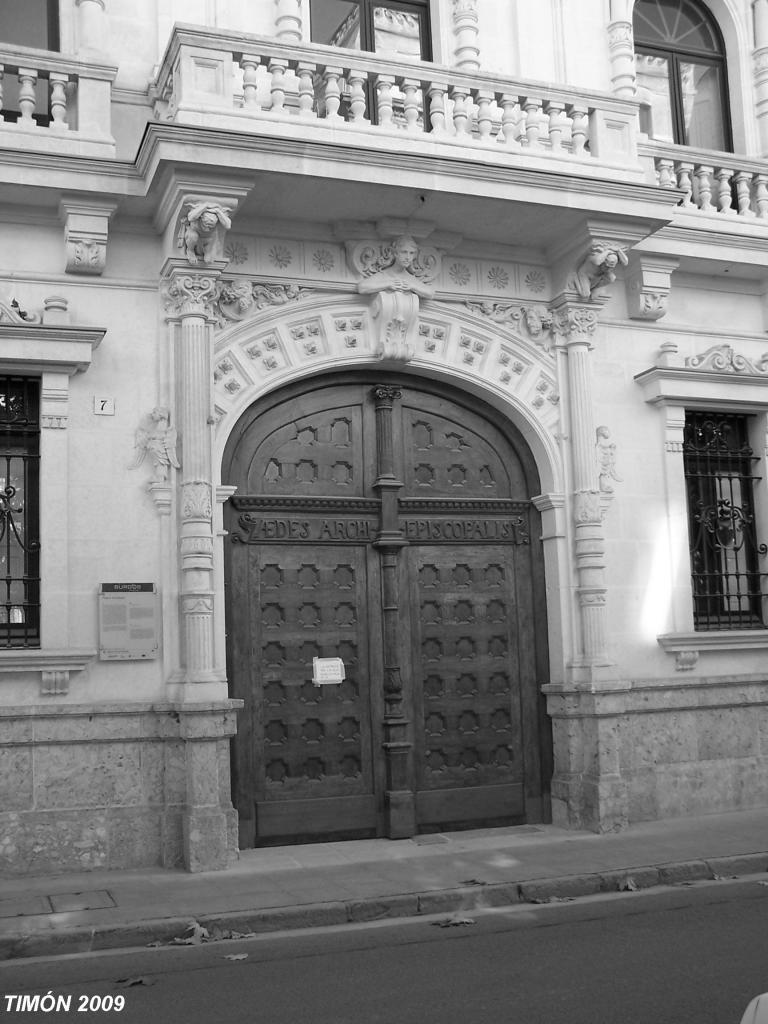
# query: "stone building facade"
{"type": "Point", "coordinates": [425, 337]}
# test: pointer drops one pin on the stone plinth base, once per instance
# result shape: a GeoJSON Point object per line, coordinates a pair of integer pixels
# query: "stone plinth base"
{"type": "Point", "coordinates": [116, 786]}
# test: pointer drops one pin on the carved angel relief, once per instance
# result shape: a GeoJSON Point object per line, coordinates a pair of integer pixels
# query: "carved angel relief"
{"type": "Point", "coordinates": [156, 439]}
{"type": "Point", "coordinates": [605, 450]}
{"type": "Point", "coordinates": [398, 274]}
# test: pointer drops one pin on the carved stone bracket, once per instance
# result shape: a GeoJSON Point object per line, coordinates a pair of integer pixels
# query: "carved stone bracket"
{"type": "Point", "coordinates": [86, 226]}
{"type": "Point", "coordinates": [596, 271]}
{"type": "Point", "coordinates": [398, 274]}
{"type": "Point", "coordinates": [648, 283]}
{"type": "Point", "coordinates": [202, 227]}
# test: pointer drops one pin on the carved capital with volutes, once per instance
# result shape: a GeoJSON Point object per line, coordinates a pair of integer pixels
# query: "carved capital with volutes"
{"type": "Point", "coordinates": [187, 293]}
{"type": "Point", "coordinates": [574, 323]}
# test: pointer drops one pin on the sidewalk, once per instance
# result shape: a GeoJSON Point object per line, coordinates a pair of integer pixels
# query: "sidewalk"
{"type": "Point", "coordinates": [338, 883]}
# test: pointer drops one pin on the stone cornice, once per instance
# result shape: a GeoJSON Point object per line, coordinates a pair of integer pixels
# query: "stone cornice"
{"type": "Point", "coordinates": [37, 347]}
{"type": "Point", "coordinates": [695, 388]}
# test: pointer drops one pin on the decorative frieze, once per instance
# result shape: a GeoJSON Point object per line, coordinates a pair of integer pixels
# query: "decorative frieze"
{"type": "Point", "coordinates": [236, 300]}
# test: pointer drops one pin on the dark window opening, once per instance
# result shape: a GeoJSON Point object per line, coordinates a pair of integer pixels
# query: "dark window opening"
{"type": "Point", "coordinates": [34, 23]}
{"type": "Point", "coordinates": [19, 512]}
{"type": "Point", "coordinates": [728, 587]}
{"type": "Point", "coordinates": [391, 29]}
{"type": "Point", "coordinates": [681, 74]}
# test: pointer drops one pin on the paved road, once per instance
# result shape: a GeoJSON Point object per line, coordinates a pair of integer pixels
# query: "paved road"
{"type": "Point", "coordinates": [685, 955]}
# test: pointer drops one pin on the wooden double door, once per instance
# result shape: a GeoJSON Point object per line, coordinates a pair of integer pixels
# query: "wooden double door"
{"type": "Point", "coordinates": [390, 526]}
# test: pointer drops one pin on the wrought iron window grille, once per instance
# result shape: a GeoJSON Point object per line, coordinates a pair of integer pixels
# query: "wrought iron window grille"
{"type": "Point", "coordinates": [729, 589]}
{"type": "Point", "coordinates": [19, 514]}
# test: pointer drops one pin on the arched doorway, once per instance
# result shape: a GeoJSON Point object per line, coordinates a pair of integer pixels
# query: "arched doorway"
{"type": "Point", "coordinates": [385, 521]}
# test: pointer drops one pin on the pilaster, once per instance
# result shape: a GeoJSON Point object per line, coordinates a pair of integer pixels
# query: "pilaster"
{"type": "Point", "coordinates": [91, 25]}
{"type": "Point", "coordinates": [760, 70]}
{"type": "Point", "coordinates": [465, 32]}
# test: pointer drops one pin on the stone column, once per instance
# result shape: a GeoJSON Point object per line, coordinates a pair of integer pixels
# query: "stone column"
{"type": "Point", "coordinates": [760, 70]}
{"type": "Point", "coordinates": [465, 32]}
{"type": "Point", "coordinates": [622, 53]}
{"type": "Point", "coordinates": [288, 21]}
{"type": "Point", "coordinates": [189, 295]}
{"type": "Point", "coordinates": [400, 801]}
{"type": "Point", "coordinates": [91, 25]}
{"type": "Point", "coordinates": [575, 326]}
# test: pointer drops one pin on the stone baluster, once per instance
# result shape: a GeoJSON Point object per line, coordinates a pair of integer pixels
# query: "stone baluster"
{"type": "Point", "coordinates": [685, 183]}
{"type": "Point", "coordinates": [665, 172]}
{"type": "Point", "coordinates": [59, 101]}
{"type": "Point", "coordinates": [411, 104]}
{"type": "Point", "coordinates": [27, 99]}
{"type": "Point", "coordinates": [742, 181]}
{"type": "Point", "coordinates": [532, 106]}
{"type": "Point", "coordinates": [288, 21]}
{"type": "Point", "coordinates": [509, 120]}
{"type": "Point", "coordinates": [575, 326]}
{"type": "Point", "coordinates": [465, 32]}
{"type": "Point", "coordinates": [579, 115]}
{"type": "Point", "coordinates": [460, 97]}
{"type": "Point", "coordinates": [390, 540]}
{"type": "Point", "coordinates": [760, 70]}
{"type": "Point", "coordinates": [332, 93]}
{"type": "Point", "coordinates": [384, 86]}
{"type": "Point", "coordinates": [305, 72]}
{"type": "Point", "coordinates": [357, 80]}
{"type": "Point", "coordinates": [484, 98]}
{"type": "Point", "coordinates": [277, 69]}
{"type": "Point", "coordinates": [761, 196]}
{"type": "Point", "coordinates": [250, 66]}
{"type": "Point", "coordinates": [91, 25]}
{"type": "Point", "coordinates": [436, 92]}
{"type": "Point", "coordinates": [703, 175]}
{"type": "Point", "coordinates": [556, 114]}
{"type": "Point", "coordinates": [724, 198]}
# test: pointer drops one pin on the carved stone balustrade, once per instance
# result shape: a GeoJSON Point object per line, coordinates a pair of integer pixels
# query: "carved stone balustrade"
{"type": "Point", "coordinates": [710, 182]}
{"type": "Point", "coordinates": [232, 81]}
{"type": "Point", "coordinates": [55, 103]}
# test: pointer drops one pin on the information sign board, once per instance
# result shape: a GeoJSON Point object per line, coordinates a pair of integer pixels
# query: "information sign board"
{"type": "Point", "coordinates": [129, 622]}
{"type": "Point", "coordinates": [327, 671]}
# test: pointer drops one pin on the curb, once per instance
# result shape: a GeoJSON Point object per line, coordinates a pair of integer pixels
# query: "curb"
{"type": "Point", "coordinates": [464, 899]}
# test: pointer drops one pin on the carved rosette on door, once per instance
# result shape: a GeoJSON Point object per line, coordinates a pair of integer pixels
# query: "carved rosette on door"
{"type": "Point", "coordinates": [389, 527]}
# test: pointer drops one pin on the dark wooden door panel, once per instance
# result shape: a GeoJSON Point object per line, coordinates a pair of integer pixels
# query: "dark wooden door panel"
{"type": "Point", "coordinates": [313, 534]}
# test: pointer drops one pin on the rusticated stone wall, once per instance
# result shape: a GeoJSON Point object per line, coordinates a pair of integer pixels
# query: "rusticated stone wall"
{"type": "Point", "coordinates": [112, 786]}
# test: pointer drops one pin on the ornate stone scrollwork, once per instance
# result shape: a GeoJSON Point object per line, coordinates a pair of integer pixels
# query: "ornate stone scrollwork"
{"type": "Point", "coordinates": [12, 313]}
{"type": "Point", "coordinates": [190, 294]}
{"type": "Point", "coordinates": [156, 440]}
{"type": "Point", "coordinates": [398, 274]}
{"type": "Point", "coordinates": [536, 318]}
{"type": "Point", "coordinates": [237, 300]}
{"type": "Point", "coordinates": [573, 321]}
{"type": "Point", "coordinates": [597, 270]}
{"type": "Point", "coordinates": [723, 359]}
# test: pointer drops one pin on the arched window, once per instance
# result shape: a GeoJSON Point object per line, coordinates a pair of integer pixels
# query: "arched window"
{"type": "Point", "coordinates": [681, 73]}
{"type": "Point", "coordinates": [391, 29]}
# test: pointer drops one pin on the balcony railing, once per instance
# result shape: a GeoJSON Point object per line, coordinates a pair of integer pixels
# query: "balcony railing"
{"type": "Point", "coordinates": [236, 81]}
{"type": "Point", "coordinates": [710, 182]}
{"type": "Point", "coordinates": [54, 102]}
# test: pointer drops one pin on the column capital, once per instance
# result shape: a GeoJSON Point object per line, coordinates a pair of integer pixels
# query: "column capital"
{"type": "Point", "coordinates": [187, 291]}
{"type": "Point", "coordinates": [574, 323]}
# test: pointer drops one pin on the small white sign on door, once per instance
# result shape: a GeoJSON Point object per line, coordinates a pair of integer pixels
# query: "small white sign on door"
{"type": "Point", "coordinates": [327, 670]}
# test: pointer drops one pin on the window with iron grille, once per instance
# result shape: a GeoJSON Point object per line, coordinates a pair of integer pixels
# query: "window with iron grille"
{"type": "Point", "coordinates": [728, 588]}
{"type": "Point", "coordinates": [19, 519]}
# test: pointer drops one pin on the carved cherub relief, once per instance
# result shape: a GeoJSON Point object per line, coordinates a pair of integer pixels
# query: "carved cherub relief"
{"type": "Point", "coordinates": [598, 269]}
{"type": "Point", "coordinates": [201, 231]}
{"type": "Point", "coordinates": [156, 439]}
